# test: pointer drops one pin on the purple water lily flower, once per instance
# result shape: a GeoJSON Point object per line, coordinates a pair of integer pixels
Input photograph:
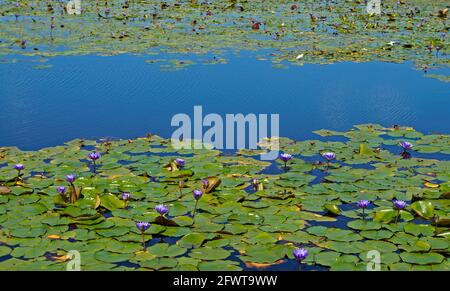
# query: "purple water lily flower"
{"type": "Point", "coordinates": [399, 204]}
{"type": "Point", "coordinates": [285, 157]}
{"type": "Point", "coordinates": [329, 156]}
{"type": "Point", "coordinates": [180, 162]}
{"type": "Point", "coordinates": [162, 209]}
{"type": "Point", "coordinates": [198, 194]}
{"type": "Point", "coordinates": [438, 48]}
{"type": "Point", "coordinates": [94, 156]}
{"type": "Point", "coordinates": [142, 226]}
{"type": "Point", "coordinates": [300, 254]}
{"type": "Point", "coordinates": [126, 196]}
{"type": "Point", "coordinates": [61, 190]}
{"type": "Point", "coordinates": [71, 178]}
{"type": "Point", "coordinates": [363, 204]}
{"type": "Point", "coordinates": [19, 167]}
{"type": "Point", "coordinates": [430, 48]}
{"type": "Point", "coordinates": [406, 145]}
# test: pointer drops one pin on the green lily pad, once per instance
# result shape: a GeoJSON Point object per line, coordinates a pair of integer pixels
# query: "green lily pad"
{"type": "Point", "coordinates": [423, 208]}
{"type": "Point", "coordinates": [210, 254]}
{"type": "Point", "coordinates": [422, 259]}
{"type": "Point", "coordinates": [111, 202]}
{"type": "Point", "coordinates": [191, 240]}
{"type": "Point", "coordinates": [364, 225]}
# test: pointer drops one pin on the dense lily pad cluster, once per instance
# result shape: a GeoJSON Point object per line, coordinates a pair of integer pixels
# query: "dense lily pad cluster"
{"type": "Point", "coordinates": [292, 32]}
{"type": "Point", "coordinates": [136, 209]}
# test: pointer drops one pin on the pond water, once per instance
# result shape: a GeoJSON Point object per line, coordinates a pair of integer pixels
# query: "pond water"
{"type": "Point", "coordinates": [125, 97]}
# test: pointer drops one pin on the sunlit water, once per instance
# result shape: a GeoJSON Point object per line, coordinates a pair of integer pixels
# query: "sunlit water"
{"type": "Point", "coordinates": [124, 97]}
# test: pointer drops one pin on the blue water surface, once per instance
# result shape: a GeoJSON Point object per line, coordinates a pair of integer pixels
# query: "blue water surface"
{"type": "Point", "coordinates": [125, 97]}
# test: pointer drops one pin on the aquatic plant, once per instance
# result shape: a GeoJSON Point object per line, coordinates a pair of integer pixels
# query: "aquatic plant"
{"type": "Point", "coordinates": [255, 183]}
{"type": "Point", "coordinates": [406, 146]}
{"type": "Point", "coordinates": [74, 193]}
{"type": "Point", "coordinates": [62, 191]}
{"type": "Point", "coordinates": [181, 185]}
{"type": "Point", "coordinates": [71, 178]}
{"type": "Point", "coordinates": [399, 205]}
{"type": "Point", "coordinates": [205, 184]}
{"type": "Point", "coordinates": [363, 204]}
{"type": "Point", "coordinates": [126, 198]}
{"type": "Point", "coordinates": [94, 156]}
{"type": "Point", "coordinates": [329, 156]}
{"type": "Point", "coordinates": [19, 168]}
{"type": "Point", "coordinates": [324, 31]}
{"type": "Point", "coordinates": [197, 195]}
{"type": "Point", "coordinates": [180, 162]}
{"type": "Point", "coordinates": [142, 227]}
{"type": "Point", "coordinates": [300, 254]}
{"type": "Point", "coordinates": [237, 229]}
{"type": "Point", "coordinates": [285, 158]}
{"type": "Point", "coordinates": [162, 209]}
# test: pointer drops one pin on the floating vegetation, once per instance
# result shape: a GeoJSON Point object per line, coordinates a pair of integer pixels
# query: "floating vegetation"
{"type": "Point", "coordinates": [320, 32]}
{"type": "Point", "coordinates": [133, 212]}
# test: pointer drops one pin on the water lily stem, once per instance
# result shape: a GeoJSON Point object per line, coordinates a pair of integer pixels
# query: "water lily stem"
{"type": "Point", "coordinates": [363, 215]}
{"type": "Point", "coordinates": [398, 215]}
{"type": "Point", "coordinates": [18, 177]}
{"type": "Point", "coordinates": [143, 240]}
{"type": "Point", "coordinates": [195, 210]}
